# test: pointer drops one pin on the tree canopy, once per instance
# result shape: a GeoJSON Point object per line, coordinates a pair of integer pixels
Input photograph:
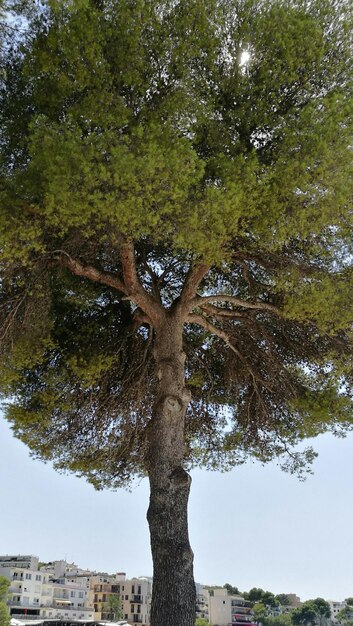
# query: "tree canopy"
{"type": "Point", "coordinates": [312, 612]}
{"type": "Point", "coordinates": [138, 122]}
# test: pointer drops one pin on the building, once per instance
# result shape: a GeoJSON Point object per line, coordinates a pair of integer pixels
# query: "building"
{"type": "Point", "coordinates": [228, 610]}
{"type": "Point", "coordinates": [335, 607]}
{"type": "Point", "coordinates": [36, 593]}
{"type": "Point", "coordinates": [201, 602]}
{"type": "Point", "coordinates": [23, 562]}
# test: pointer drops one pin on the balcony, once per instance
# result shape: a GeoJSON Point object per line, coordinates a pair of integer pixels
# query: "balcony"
{"type": "Point", "coordinates": [136, 599]}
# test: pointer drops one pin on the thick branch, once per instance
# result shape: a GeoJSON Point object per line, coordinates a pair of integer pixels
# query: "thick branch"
{"type": "Point", "coordinates": [90, 272]}
{"type": "Point", "coordinates": [135, 291]}
{"type": "Point", "coordinates": [192, 281]}
{"type": "Point", "coordinates": [199, 302]}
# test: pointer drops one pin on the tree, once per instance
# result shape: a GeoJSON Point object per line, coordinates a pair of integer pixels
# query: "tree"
{"type": "Point", "coordinates": [349, 601]}
{"type": "Point", "coordinates": [200, 621]}
{"type": "Point", "coordinates": [312, 612]}
{"type": "Point", "coordinates": [233, 591]}
{"type": "Point", "coordinates": [113, 607]}
{"type": "Point", "coordinates": [4, 611]}
{"type": "Point", "coordinates": [279, 620]}
{"type": "Point", "coordinates": [283, 599]}
{"type": "Point", "coordinates": [260, 612]}
{"type": "Point", "coordinates": [323, 608]}
{"type": "Point", "coordinates": [345, 615]}
{"type": "Point", "coordinates": [175, 248]}
{"type": "Point", "coordinates": [306, 615]}
{"type": "Point", "coordinates": [259, 595]}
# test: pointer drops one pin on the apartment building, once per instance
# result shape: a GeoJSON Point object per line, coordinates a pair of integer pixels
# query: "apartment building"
{"type": "Point", "coordinates": [35, 593]}
{"type": "Point", "coordinates": [335, 607]}
{"type": "Point", "coordinates": [201, 602]}
{"type": "Point", "coordinates": [228, 610]}
{"type": "Point", "coordinates": [135, 595]}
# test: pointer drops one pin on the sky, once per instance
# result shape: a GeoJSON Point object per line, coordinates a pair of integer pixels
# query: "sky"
{"type": "Point", "coordinates": [253, 527]}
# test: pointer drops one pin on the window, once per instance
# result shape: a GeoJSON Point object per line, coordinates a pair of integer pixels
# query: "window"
{"type": "Point", "coordinates": [132, 608]}
{"type": "Point", "coordinates": [133, 589]}
{"type": "Point", "coordinates": [72, 594]}
{"type": "Point", "coordinates": [80, 594]}
{"type": "Point", "coordinates": [28, 576]}
{"type": "Point", "coordinates": [126, 597]}
{"type": "Point", "coordinates": [139, 590]}
{"type": "Point", "coordinates": [38, 577]}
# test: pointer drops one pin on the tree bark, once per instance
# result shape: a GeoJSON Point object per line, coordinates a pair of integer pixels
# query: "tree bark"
{"type": "Point", "coordinates": [173, 597]}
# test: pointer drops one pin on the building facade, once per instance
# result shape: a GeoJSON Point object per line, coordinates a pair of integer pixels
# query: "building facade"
{"type": "Point", "coordinates": [228, 610]}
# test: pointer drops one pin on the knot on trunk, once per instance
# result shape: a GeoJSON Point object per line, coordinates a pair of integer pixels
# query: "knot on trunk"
{"type": "Point", "coordinates": [172, 405]}
{"type": "Point", "coordinates": [180, 478]}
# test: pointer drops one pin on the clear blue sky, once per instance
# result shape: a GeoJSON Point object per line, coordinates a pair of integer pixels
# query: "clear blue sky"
{"type": "Point", "coordinates": [255, 526]}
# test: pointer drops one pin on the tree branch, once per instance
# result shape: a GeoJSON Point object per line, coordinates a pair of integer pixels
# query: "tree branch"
{"type": "Point", "coordinates": [192, 281]}
{"type": "Point", "coordinates": [90, 272]}
{"type": "Point", "coordinates": [199, 302]}
{"type": "Point", "coordinates": [215, 311]}
{"type": "Point", "coordinates": [202, 321]}
{"type": "Point", "coordinates": [135, 291]}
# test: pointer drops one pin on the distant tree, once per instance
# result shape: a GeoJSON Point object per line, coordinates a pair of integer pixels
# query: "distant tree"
{"type": "Point", "coordinates": [323, 609]}
{"type": "Point", "coordinates": [113, 607]}
{"type": "Point", "coordinates": [316, 611]}
{"type": "Point", "coordinates": [259, 595]}
{"type": "Point", "coordinates": [234, 591]}
{"type": "Point", "coordinates": [260, 612]}
{"type": "Point", "coordinates": [278, 620]}
{"type": "Point", "coordinates": [176, 244]}
{"type": "Point", "coordinates": [255, 594]}
{"type": "Point", "coordinates": [349, 601]}
{"type": "Point", "coordinates": [201, 621]}
{"type": "Point", "coordinates": [345, 615]}
{"type": "Point", "coordinates": [4, 611]}
{"type": "Point", "coordinates": [283, 599]}
{"type": "Point", "coordinates": [306, 615]}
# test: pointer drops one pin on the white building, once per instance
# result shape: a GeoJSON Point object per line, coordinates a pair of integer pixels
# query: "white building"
{"type": "Point", "coordinates": [228, 610]}
{"type": "Point", "coordinates": [335, 607]}
{"type": "Point", "coordinates": [35, 593]}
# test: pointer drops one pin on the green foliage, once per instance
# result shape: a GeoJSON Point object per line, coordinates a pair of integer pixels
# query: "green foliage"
{"type": "Point", "coordinates": [4, 615]}
{"type": "Point", "coordinates": [283, 599]}
{"type": "Point", "coordinates": [200, 621]}
{"type": "Point", "coordinates": [345, 615]}
{"type": "Point", "coordinates": [233, 591]}
{"type": "Point", "coordinates": [284, 619]}
{"type": "Point", "coordinates": [260, 612]}
{"type": "Point", "coordinates": [311, 612]}
{"type": "Point", "coordinates": [264, 598]}
{"type": "Point", "coordinates": [4, 586]}
{"type": "Point", "coordinates": [113, 607]}
{"type": "Point", "coordinates": [137, 121]}
{"type": "Point", "coordinates": [4, 611]}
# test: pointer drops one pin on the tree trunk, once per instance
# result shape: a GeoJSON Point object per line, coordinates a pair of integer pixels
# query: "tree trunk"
{"type": "Point", "coordinates": [173, 596]}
